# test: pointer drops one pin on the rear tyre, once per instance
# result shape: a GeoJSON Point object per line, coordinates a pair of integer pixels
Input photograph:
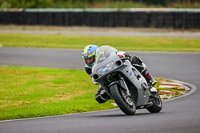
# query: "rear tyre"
{"type": "Point", "coordinates": [157, 103]}
{"type": "Point", "coordinates": [124, 102]}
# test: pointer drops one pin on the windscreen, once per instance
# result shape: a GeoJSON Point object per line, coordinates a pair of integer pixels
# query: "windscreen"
{"type": "Point", "coordinates": [103, 53]}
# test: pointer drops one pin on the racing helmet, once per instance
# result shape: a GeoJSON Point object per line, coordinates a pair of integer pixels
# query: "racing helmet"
{"type": "Point", "coordinates": [88, 54]}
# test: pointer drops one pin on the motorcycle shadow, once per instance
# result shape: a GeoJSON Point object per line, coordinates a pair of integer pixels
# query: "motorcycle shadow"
{"type": "Point", "coordinates": [122, 115]}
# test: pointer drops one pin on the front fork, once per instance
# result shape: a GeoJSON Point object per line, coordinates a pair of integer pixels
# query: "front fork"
{"type": "Point", "coordinates": [123, 85]}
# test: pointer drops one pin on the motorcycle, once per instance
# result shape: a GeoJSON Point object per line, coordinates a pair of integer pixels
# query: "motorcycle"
{"type": "Point", "coordinates": [124, 83]}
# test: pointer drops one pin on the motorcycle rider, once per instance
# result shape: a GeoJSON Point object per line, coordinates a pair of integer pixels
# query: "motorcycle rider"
{"type": "Point", "coordinates": [89, 54]}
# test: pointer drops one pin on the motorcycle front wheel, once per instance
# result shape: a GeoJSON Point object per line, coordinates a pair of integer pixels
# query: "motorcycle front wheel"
{"type": "Point", "coordinates": [124, 102]}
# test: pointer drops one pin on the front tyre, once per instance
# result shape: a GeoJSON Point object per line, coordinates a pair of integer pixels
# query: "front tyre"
{"type": "Point", "coordinates": [124, 102]}
{"type": "Point", "coordinates": [157, 103]}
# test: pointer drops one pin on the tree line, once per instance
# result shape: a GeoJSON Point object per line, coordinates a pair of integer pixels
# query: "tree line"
{"type": "Point", "coordinates": [82, 3]}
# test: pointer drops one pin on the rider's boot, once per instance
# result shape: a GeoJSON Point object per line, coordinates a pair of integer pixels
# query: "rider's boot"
{"type": "Point", "coordinates": [149, 78]}
{"type": "Point", "coordinates": [102, 96]}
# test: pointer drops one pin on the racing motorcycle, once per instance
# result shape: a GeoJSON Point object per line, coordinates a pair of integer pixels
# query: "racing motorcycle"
{"type": "Point", "coordinates": [124, 83]}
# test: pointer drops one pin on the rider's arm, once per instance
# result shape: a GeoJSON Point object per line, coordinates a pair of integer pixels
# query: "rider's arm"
{"type": "Point", "coordinates": [88, 70]}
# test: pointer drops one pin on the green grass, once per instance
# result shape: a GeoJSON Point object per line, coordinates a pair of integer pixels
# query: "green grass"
{"type": "Point", "coordinates": [33, 92]}
{"type": "Point", "coordinates": [99, 4]}
{"type": "Point", "coordinates": [121, 43]}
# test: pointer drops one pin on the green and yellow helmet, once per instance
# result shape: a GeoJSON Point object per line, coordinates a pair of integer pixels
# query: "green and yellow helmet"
{"type": "Point", "coordinates": [88, 54]}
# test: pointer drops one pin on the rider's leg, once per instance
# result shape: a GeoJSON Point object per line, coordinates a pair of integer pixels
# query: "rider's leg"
{"type": "Point", "coordinates": [141, 67]}
{"type": "Point", "coordinates": [101, 96]}
{"type": "Point", "coordinates": [149, 77]}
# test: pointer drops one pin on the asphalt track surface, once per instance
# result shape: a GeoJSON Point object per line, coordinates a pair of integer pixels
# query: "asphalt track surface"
{"type": "Point", "coordinates": [177, 116]}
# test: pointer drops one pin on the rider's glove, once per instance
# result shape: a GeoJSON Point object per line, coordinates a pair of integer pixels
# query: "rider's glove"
{"type": "Point", "coordinates": [123, 55]}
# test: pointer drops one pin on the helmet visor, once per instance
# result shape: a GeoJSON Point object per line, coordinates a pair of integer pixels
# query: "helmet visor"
{"type": "Point", "coordinates": [90, 60]}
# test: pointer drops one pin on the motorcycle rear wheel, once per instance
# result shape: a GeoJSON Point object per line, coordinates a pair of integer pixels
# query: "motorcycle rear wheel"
{"type": "Point", "coordinates": [157, 103]}
{"type": "Point", "coordinates": [125, 103]}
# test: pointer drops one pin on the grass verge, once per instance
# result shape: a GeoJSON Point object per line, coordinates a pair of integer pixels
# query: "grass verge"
{"type": "Point", "coordinates": [27, 92]}
{"type": "Point", "coordinates": [79, 42]}
{"type": "Point", "coordinates": [33, 92]}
